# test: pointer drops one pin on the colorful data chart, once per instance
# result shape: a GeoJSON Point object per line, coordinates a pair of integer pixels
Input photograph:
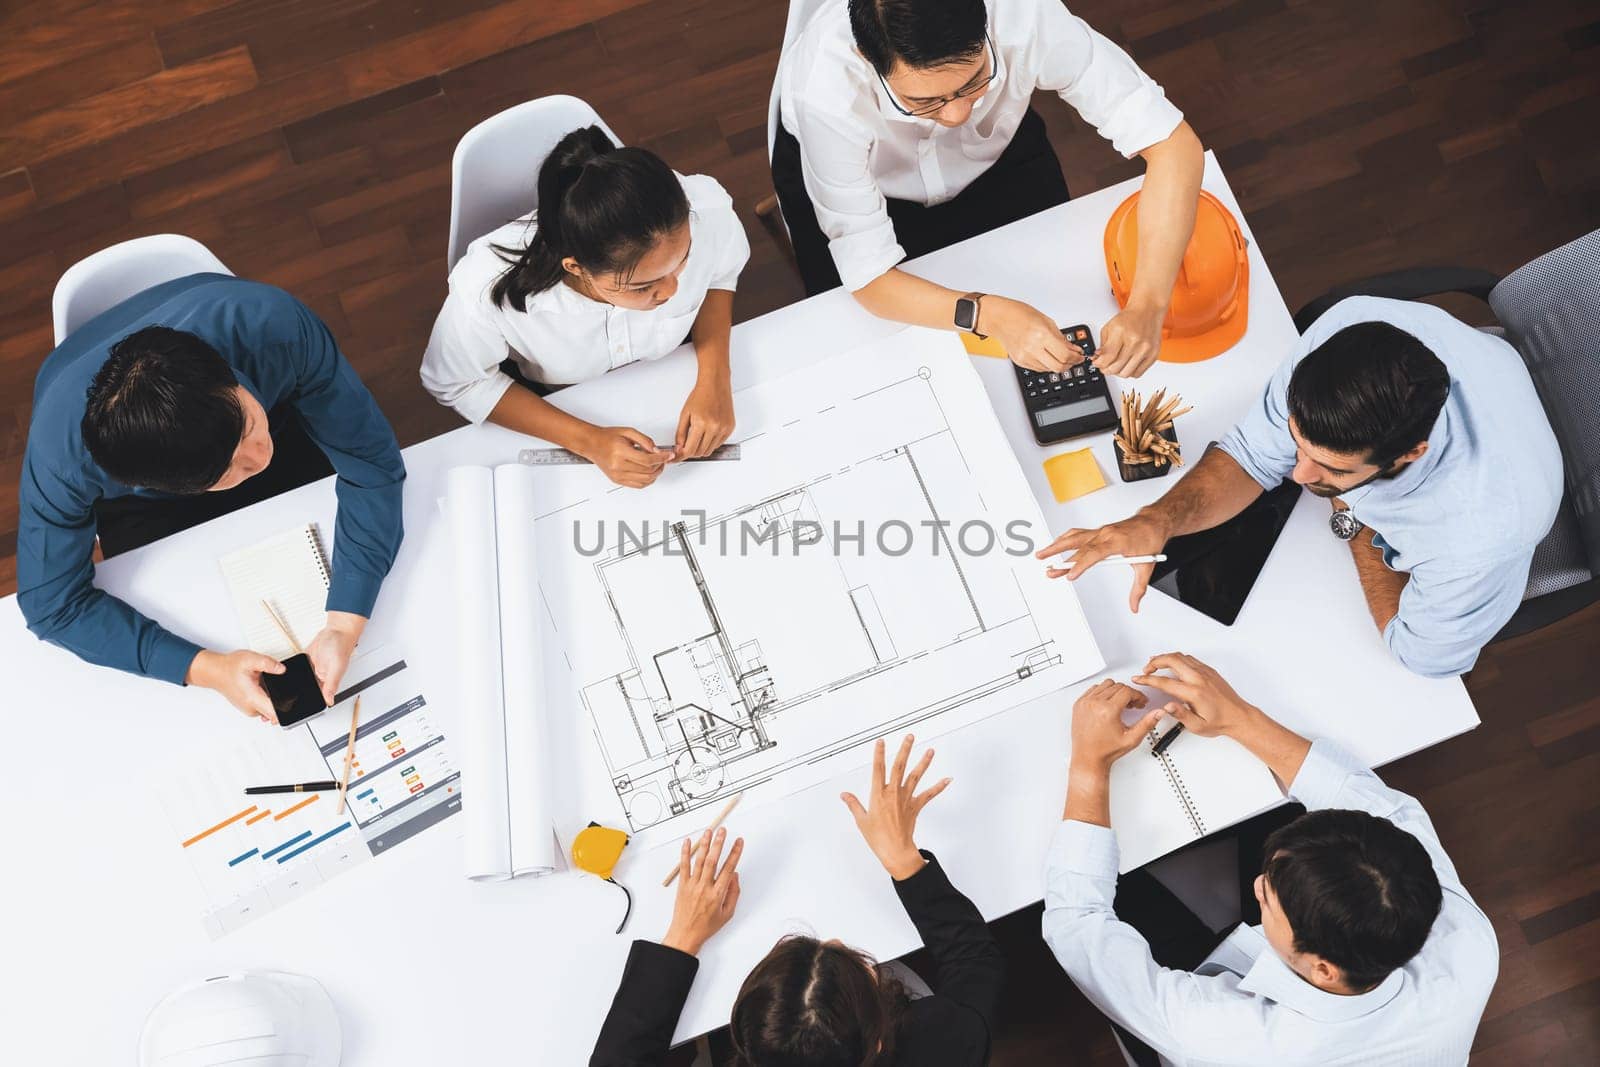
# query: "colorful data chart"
{"type": "Point", "coordinates": [252, 854]}
{"type": "Point", "coordinates": [403, 778]}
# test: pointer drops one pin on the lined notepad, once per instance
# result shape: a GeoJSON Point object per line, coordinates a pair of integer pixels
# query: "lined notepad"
{"type": "Point", "coordinates": [1198, 785]}
{"type": "Point", "coordinates": [288, 571]}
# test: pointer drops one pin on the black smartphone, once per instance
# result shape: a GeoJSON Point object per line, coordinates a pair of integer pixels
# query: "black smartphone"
{"type": "Point", "coordinates": [1074, 402]}
{"type": "Point", "coordinates": [296, 694]}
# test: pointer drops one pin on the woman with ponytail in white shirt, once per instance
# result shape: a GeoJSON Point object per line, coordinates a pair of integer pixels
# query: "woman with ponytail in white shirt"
{"type": "Point", "coordinates": [624, 260]}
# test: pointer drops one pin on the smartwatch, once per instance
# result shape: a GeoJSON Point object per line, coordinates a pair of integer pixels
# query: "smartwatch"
{"type": "Point", "coordinates": [967, 308]}
{"type": "Point", "coordinates": [1345, 525]}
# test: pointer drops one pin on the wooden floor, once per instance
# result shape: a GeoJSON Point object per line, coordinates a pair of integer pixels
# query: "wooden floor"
{"type": "Point", "coordinates": [308, 143]}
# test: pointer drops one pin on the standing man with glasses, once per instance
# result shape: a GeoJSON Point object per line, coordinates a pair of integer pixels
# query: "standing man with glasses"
{"type": "Point", "coordinates": [905, 126]}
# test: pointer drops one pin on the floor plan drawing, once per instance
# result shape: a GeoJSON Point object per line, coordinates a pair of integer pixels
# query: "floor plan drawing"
{"type": "Point", "coordinates": [865, 569]}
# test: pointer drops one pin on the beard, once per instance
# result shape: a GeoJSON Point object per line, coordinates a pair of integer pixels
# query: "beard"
{"type": "Point", "coordinates": [1327, 491]}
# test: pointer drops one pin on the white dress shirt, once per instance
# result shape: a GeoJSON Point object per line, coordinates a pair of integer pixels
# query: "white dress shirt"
{"type": "Point", "coordinates": [563, 336]}
{"type": "Point", "coordinates": [1244, 1005]}
{"type": "Point", "coordinates": [856, 149]}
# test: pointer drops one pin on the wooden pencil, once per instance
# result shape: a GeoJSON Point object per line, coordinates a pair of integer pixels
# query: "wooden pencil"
{"type": "Point", "coordinates": [721, 815]}
{"type": "Point", "coordinates": [349, 749]}
{"type": "Point", "coordinates": [283, 628]}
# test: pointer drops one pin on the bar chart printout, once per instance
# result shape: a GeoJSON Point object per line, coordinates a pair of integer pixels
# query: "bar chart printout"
{"type": "Point", "coordinates": [252, 854]}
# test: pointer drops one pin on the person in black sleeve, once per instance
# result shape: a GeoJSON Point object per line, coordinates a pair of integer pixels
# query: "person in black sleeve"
{"type": "Point", "coordinates": [822, 1003]}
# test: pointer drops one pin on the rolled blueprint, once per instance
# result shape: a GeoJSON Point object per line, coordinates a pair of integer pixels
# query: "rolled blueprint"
{"type": "Point", "coordinates": [505, 753]}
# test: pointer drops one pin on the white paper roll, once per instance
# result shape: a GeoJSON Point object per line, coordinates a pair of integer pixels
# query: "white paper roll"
{"type": "Point", "coordinates": [504, 769]}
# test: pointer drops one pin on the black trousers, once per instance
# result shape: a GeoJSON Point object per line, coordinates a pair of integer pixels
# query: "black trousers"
{"type": "Point", "coordinates": [1025, 179]}
{"type": "Point", "coordinates": [127, 522]}
{"type": "Point", "coordinates": [1177, 936]}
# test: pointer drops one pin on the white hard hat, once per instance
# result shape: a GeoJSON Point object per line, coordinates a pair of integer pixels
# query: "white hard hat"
{"type": "Point", "coordinates": [263, 1018]}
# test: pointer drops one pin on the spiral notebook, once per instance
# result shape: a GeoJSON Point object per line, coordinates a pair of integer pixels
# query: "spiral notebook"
{"type": "Point", "coordinates": [288, 571]}
{"type": "Point", "coordinates": [1199, 785]}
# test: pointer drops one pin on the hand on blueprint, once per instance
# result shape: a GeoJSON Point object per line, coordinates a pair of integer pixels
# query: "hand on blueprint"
{"type": "Point", "coordinates": [1099, 736]}
{"type": "Point", "coordinates": [707, 418]}
{"type": "Point", "coordinates": [1130, 341]}
{"type": "Point", "coordinates": [888, 820]}
{"type": "Point", "coordinates": [1141, 534]}
{"type": "Point", "coordinates": [1209, 706]}
{"type": "Point", "coordinates": [1028, 335]}
{"type": "Point", "coordinates": [331, 649]}
{"type": "Point", "coordinates": [707, 893]}
{"type": "Point", "coordinates": [626, 456]}
{"type": "Point", "coordinates": [237, 676]}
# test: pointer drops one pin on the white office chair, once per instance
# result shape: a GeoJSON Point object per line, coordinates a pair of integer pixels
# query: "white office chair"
{"type": "Point", "coordinates": [495, 170]}
{"type": "Point", "coordinates": [767, 211]}
{"type": "Point", "coordinates": [111, 275]}
{"type": "Point", "coordinates": [800, 12]}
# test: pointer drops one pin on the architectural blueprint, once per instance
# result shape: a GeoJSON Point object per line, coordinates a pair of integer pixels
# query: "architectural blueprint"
{"type": "Point", "coordinates": [863, 570]}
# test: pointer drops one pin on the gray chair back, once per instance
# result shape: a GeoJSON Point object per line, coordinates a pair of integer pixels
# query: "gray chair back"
{"type": "Point", "coordinates": [1550, 310]}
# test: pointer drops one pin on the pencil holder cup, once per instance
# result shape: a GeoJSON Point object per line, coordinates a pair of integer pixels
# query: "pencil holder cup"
{"type": "Point", "coordinates": [1148, 466]}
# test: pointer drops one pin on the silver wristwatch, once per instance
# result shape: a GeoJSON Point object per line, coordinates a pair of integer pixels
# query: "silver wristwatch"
{"type": "Point", "coordinates": [1345, 525]}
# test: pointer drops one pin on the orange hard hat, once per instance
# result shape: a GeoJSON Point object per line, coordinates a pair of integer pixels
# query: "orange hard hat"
{"type": "Point", "coordinates": [1211, 299]}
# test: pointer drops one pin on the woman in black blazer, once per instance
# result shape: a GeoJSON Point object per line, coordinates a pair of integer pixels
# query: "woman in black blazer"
{"type": "Point", "coordinates": [821, 1003]}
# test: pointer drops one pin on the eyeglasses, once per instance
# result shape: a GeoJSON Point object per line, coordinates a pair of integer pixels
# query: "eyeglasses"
{"type": "Point", "coordinates": [970, 90]}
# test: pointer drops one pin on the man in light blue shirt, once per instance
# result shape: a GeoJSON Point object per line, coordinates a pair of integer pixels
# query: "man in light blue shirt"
{"type": "Point", "coordinates": [1429, 438]}
{"type": "Point", "coordinates": [1369, 949]}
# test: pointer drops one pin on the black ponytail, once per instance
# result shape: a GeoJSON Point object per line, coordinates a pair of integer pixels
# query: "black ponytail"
{"type": "Point", "coordinates": [604, 206]}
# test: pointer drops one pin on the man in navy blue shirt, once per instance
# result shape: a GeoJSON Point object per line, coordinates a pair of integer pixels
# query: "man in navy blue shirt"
{"type": "Point", "coordinates": [155, 414]}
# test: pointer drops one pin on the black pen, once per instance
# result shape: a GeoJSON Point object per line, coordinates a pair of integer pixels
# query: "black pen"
{"type": "Point", "coordinates": [299, 787]}
{"type": "Point", "coordinates": [1166, 739]}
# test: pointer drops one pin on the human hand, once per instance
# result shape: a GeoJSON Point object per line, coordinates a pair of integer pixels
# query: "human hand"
{"type": "Point", "coordinates": [888, 820]}
{"type": "Point", "coordinates": [1140, 534]}
{"type": "Point", "coordinates": [1131, 341]}
{"type": "Point", "coordinates": [707, 894]}
{"type": "Point", "coordinates": [625, 455]}
{"type": "Point", "coordinates": [1029, 336]}
{"type": "Point", "coordinates": [1207, 705]}
{"type": "Point", "coordinates": [237, 676]}
{"type": "Point", "coordinates": [1099, 737]}
{"type": "Point", "coordinates": [331, 649]}
{"type": "Point", "coordinates": [707, 418]}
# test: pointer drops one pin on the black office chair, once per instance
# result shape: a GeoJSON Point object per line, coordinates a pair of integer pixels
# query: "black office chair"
{"type": "Point", "coordinates": [1549, 310]}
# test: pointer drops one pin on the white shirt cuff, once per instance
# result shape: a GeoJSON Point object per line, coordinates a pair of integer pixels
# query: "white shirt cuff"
{"type": "Point", "coordinates": [1084, 848]}
{"type": "Point", "coordinates": [477, 400]}
{"type": "Point", "coordinates": [1323, 775]}
{"type": "Point", "coordinates": [864, 257]}
{"type": "Point", "coordinates": [1140, 123]}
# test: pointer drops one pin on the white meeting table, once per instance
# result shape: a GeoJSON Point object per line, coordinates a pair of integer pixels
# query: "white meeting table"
{"type": "Point", "coordinates": [100, 917]}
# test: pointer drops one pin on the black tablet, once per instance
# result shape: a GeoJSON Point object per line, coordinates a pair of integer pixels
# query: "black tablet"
{"type": "Point", "coordinates": [1214, 570]}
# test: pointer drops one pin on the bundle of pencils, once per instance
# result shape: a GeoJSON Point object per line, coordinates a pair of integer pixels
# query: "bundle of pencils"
{"type": "Point", "coordinates": [1144, 425]}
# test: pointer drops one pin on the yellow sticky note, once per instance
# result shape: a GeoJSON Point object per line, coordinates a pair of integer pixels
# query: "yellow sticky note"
{"type": "Point", "coordinates": [1072, 474]}
{"type": "Point", "coordinates": [988, 346]}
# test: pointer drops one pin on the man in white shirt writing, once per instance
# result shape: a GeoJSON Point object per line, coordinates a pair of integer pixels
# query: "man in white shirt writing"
{"type": "Point", "coordinates": [905, 126]}
{"type": "Point", "coordinates": [1369, 949]}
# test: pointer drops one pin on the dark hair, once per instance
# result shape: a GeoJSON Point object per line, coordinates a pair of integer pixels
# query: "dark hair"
{"type": "Point", "coordinates": [1370, 389]}
{"type": "Point", "coordinates": [920, 33]}
{"type": "Point", "coordinates": [1357, 890]}
{"type": "Point", "coordinates": [604, 206]}
{"type": "Point", "coordinates": [162, 412]}
{"type": "Point", "coordinates": [816, 1004]}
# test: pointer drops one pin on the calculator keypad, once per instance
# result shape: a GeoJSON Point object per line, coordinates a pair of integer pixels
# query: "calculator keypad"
{"type": "Point", "coordinates": [1044, 390]}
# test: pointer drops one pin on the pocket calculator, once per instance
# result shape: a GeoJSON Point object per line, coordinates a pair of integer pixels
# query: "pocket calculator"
{"type": "Point", "coordinates": [1069, 404]}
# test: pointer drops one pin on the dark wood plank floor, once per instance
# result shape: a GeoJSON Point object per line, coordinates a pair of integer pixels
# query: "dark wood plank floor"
{"type": "Point", "coordinates": [308, 143]}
